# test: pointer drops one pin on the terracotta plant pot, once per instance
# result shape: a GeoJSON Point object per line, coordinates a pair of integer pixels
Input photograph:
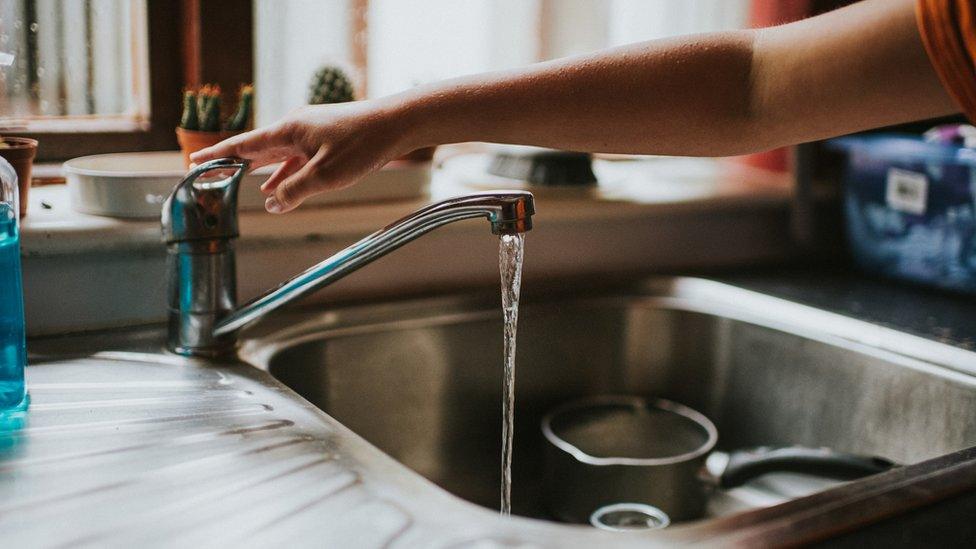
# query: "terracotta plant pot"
{"type": "Point", "coordinates": [192, 141]}
{"type": "Point", "coordinates": [20, 152]}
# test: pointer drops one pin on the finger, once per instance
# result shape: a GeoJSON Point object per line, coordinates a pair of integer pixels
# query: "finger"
{"type": "Point", "coordinates": [255, 164]}
{"type": "Point", "coordinates": [287, 168]}
{"type": "Point", "coordinates": [291, 192]}
{"type": "Point", "coordinates": [264, 145]}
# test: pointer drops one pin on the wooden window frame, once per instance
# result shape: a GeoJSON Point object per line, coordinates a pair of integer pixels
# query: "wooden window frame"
{"type": "Point", "coordinates": [189, 42]}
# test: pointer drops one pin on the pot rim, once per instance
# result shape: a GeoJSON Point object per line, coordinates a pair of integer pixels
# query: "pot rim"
{"type": "Point", "coordinates": [633, 402]}
{"type": "Point", "coordinates": [205, 132]}
{"type": "Point", "coordinates": [19, 142]}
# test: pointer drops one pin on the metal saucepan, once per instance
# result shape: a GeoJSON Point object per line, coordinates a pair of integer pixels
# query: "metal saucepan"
{"type": "Point", "coordinates": [608, 450]}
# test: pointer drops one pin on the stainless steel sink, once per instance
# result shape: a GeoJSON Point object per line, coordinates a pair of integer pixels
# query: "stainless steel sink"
{"type": "Point", "coordinates": [125, 445]}
{"type": "Point", "coordinates": [421, 379]}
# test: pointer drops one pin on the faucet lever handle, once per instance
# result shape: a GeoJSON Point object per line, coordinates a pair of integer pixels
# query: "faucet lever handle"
{"type": "Point", "coordinates": [204, 210]}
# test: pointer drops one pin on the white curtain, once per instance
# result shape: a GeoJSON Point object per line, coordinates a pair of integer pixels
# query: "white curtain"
{"type": "Point", "coordinates": [415, 42]}
{"type": "Point", "coordinates": [292, 39]}
{"type": "Point", "coordinates": [636, 20]}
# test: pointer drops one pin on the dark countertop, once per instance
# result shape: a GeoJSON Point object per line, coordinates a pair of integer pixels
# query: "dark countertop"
{"type": "Point", "coordinates": [933, 314]}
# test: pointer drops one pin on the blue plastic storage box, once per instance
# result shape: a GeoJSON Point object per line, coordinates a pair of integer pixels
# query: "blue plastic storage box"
{"type": "Point", "coordinates": [910, 208]}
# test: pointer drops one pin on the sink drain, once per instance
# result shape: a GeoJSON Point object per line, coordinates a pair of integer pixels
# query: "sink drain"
{"type": "Point", "coordinates": [629, 517]}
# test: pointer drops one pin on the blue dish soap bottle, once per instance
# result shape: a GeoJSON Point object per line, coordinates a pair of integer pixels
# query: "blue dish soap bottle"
{"type": "Point", "coordinates": [13, 349]}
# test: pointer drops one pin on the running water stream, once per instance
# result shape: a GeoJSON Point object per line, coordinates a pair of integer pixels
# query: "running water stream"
{"type": "Point", "coordinates": [511, 249]}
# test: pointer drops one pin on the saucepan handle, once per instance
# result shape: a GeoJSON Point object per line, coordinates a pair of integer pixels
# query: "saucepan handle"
{"type": "Point", "coordinates": [745, 465]}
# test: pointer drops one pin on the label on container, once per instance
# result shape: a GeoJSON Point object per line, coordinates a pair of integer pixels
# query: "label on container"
{"type": "Point", "coordinates": [907, 191]}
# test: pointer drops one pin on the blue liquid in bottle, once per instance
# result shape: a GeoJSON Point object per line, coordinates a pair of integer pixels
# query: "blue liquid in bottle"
{"type": "Point", "coordinates": [13, 350]}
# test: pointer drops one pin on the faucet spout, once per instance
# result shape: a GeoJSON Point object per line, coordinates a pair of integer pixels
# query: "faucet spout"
{"type": "Point", "coordinates": [509, 212]}
{"type": "Point", "coordinates": [200, 224]}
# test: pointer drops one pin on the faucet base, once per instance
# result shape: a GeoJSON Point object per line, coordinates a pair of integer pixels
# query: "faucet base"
{"type": "Point", "coordinates": [190, 336]}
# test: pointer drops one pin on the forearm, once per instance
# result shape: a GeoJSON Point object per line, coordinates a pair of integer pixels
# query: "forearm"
{"type": "Point", "coordinates": [652, 97]}
{"type": "Point", "coordinates": [705, 95]}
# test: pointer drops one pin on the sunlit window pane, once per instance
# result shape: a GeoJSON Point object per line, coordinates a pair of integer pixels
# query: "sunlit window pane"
{"type": "Point", "coordinates": [417, 42]}
{"type": "Point", "coordinates": [73, 58]}
{"type": "Point", "coordinates": [293, 38]}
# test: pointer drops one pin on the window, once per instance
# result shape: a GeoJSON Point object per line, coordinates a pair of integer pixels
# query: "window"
{"type": "Point", "coordinates": [409, 46]}
{"type": "Point", "coordinates": [90, 76]}
{"type": "Point", "coordinates": [68, 69]}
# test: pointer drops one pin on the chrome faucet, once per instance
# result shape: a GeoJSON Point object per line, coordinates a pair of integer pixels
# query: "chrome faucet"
{"type": "Point", "coordinates": [199, 227]}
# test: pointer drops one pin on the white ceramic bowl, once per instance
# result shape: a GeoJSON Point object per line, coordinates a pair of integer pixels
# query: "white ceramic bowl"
{"type": "Point", "coordinates": [134, 185]}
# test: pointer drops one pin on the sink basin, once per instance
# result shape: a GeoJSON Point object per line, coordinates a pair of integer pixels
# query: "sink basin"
{"type": "Point", "coordinates": [421, 379]}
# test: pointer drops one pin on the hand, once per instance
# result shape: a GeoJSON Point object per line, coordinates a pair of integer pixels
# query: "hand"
{"type": "Point", "coordinates": [320, 147]}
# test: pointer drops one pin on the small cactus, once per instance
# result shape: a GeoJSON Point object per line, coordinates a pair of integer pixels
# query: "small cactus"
{"type": "Point", "coordinates": [245, 100]}
{"type": "Point", "coordinates": [330, 85]}
{"type": "Point", "coordinates": [203, 97]}
{"type": "Point", "coordinates": [210, 111]}
{"type": "Point", "coordinates": [202, 108]}
{"type": "Point", "coordinates": [189, 120]}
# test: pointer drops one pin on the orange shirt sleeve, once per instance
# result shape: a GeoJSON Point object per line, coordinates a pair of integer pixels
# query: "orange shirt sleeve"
{"type": "Point", "coordinates": [948, 29]}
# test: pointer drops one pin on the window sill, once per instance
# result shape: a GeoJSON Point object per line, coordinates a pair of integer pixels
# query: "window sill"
{"type": "Point", "coordinates": [53, 228]}
{"type": "Point", "coordinates": [74, 125]}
